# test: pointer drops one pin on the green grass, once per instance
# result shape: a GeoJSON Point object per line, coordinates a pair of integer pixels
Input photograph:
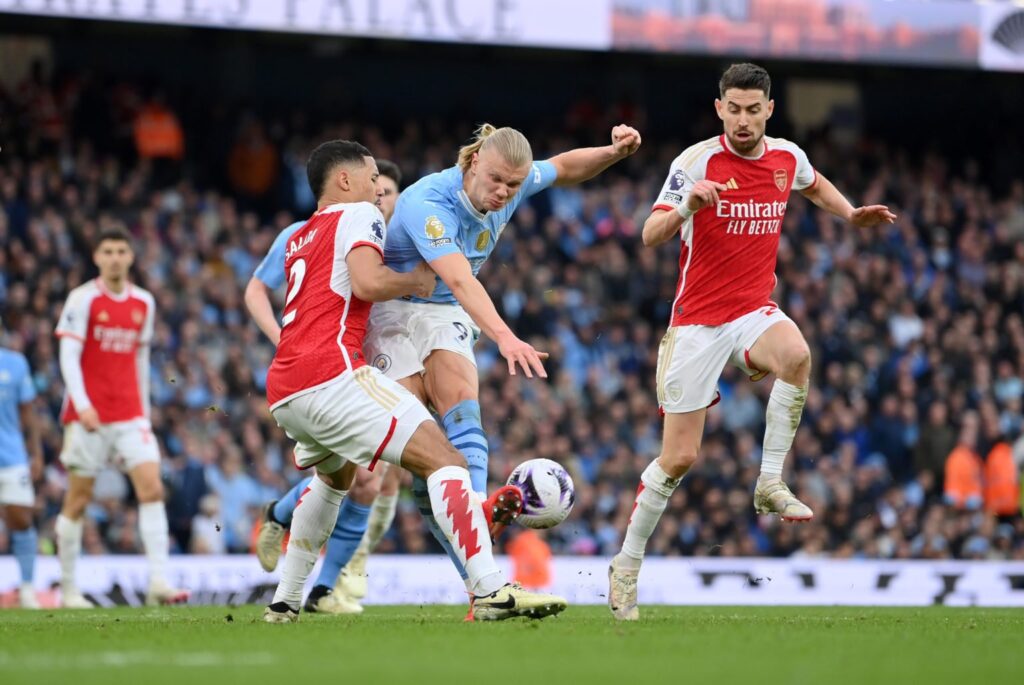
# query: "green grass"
{"type": "Point", "coordinates": [412, 645]}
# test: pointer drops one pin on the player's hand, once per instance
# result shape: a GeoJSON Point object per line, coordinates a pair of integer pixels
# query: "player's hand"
{"type": "Point", "coordinates": [625, 140]}
{"type": "Point", "coordinates": [425, 280]}
{"type": "Point", "coordinates": [89, 419]}
{"type": "Point", "coordinates": [704, 194]}
{"type": "Point", "coordinates": [515, 351]}
{"type": "Point", "coordinates": [872, 215]}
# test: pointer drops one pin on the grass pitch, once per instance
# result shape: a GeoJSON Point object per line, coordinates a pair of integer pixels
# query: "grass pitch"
{"type": "Point", "coordinates": [430, 644]}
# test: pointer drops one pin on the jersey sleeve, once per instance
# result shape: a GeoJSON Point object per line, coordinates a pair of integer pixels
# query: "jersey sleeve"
{"type": "Point", "coordinates": [149, 324]}
{"type": "Point", "coordinates": [26, 389]}
{"type": "Point", "coordinates": [432, 228]}
{"type": "Point", "coordinates": [805, 176]}
{"type": "Point", "coordinates": [270, 272]}
{"type": "Point", "coordinates": [685, 171]}
{"type": "Point", "coordinates": [542, 175]}
{"type": "Point", "coordinates": [361, 226]}
{"type": "Point", "coordinates": [74, 318]}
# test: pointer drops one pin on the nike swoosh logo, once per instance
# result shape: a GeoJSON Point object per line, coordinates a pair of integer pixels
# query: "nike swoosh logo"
{"type": "Point", "coordinates": [509, 603]}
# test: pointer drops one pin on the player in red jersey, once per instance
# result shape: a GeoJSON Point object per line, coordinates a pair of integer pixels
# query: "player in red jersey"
{"type": "Point", "coordinates": [727, 196]}
{"type": "Point", "coordinates": [343, 413]}
{"type": "Point", "coordinates": [105, 330]}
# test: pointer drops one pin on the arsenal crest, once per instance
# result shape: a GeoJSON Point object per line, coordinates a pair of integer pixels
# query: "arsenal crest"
{"type": "Point", "coordinates": [781, 180]}
{"type": "Point", "coordinates": [138, 317]}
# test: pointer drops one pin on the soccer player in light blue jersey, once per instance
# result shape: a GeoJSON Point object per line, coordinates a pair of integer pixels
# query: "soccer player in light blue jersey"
{"type": "Point", "coordinates": [19, 466]}
{"type": "Point", "coordinates": [367, 513]}
{"type": "Point", "coordinates": [452, 220]}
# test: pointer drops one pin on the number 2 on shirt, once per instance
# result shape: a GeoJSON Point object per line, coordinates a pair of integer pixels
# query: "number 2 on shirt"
{"type": "Point", "coordinates": [298, 272]}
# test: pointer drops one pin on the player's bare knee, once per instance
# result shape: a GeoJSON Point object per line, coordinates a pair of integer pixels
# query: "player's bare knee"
{"type": "Point", "coordinates": [795, 363]}
{"type": "Point", "coordinates": [677, 462]}
{"type": "Point", "coordinates": [365, 488]}
{"type": "Point", "coordinates": [150, 492]}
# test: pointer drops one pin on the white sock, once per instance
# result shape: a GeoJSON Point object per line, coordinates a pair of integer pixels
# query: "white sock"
{"type": "Point", "coordinates": [69, 546]}
{"type": "Point", "coordinates": [314, 519]}
{"type": "Point", "coordinates": [785, 405]}
{"type": "Point", "coordinates": [381, 517]}
{"type": "Point", "coordinates": [460, 514]}
{"type": "Point", "coordinates": [652, 497]}
{"type": "Point", "coordinates": [155, 540]}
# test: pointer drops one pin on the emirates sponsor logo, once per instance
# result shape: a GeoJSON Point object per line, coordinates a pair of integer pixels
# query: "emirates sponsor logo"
{"type": "Point", "coordinates": [750, 217]}
{"type": "Point", "coordinates": [115, 339]}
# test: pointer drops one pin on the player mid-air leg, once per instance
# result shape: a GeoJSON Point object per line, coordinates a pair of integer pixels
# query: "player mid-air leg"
{"type": "Point", "coordinates": [781, 350]}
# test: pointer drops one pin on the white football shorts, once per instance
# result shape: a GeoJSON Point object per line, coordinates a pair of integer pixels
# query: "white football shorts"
{"type": "Point", "coordinates": [400, 335]}
{"type": "Point", "coordinates": [362, 416]}
{"type": "Point", "coordinates": [121, 444]}
{"type": "Point", "coordinates": [16, 486]}
{"type": "Point", "coordinates": [691, 358]}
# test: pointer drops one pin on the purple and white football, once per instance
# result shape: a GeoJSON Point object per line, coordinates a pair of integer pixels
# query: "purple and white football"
{"type": "Point", "coordinates": [548, 492]}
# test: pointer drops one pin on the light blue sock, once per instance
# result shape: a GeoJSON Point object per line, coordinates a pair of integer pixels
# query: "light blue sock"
{"type": "Point", "coordinates": [345, 538]}
{"type": "Point", "coordinates": [282, 511]}
{"type": "Point", "coordinates": [422, 497]}
{"type": "Point", "coordinates": [24, 545]}
{"type": "Point", "coordinates": [465, 431]}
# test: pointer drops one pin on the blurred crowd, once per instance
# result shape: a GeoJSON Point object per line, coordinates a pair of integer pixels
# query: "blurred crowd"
{"type": "Point", "coordinates": [913, 422]}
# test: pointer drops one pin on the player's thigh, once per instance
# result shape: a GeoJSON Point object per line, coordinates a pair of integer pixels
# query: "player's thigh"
{"type": "Point", "coordinates": [364, 418]}
{"type": "Point", "coordinates": [86, 453]}
{"type": "Point", "coordinates": [429, 450]}
{"type": "Point", "coordinates": [388, 344]}
{"type": "Point", "coordinates": [768, 341]}
{"type": "Point", "coordinates": [417, 386]}
{"type": "Point", "coordinates": [450, 378]}
{"type": "Point", "coordinates": [134, 445]}
{"type": "Point", "coordinates": [681, 442]}
{"type": "Point", "coordinates": [18, 517]}
{"type": "Point", "coordinates": [690, 362]}
{"type": "Point", "coordinates": [16, 486]}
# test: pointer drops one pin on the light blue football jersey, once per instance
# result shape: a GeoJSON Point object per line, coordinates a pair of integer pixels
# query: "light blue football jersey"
{"type": "Point", "coordinates": [271, 270]}
{"type": "Point", "coordinates": [434, 218]}
{"type": "Point", "coordinates": [16, 389]}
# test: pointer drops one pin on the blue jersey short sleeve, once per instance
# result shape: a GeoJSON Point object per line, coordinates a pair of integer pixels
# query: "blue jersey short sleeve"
{"type": "Point", "coordinates": [270, 272]}
{"type": "Point", "coordinates": [433, 230]}
{"type": "Point", "coordinates": [542, 175]}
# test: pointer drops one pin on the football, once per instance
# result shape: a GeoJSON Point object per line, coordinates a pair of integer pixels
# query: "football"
{"type": "Point", "coordinates": [548, 492]}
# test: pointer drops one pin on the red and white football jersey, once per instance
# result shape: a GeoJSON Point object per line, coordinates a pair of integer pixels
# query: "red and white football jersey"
{"type": "Point", "coordinates": [111, 328]}
{"type": "Point", "coordinates": [324, 324]}
{"type": "Point", "coordinates": [727, 261]}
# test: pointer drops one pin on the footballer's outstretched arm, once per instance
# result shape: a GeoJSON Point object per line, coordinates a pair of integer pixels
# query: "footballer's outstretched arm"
{"type": "Point", "coordinates": [455, 271]}
{"type": "Point", "coordinates": [257, 301]}
{"type": "Point", "coordinates": [583, 164]}
{"type": "Point", "coordinates": [372, 281]}
{"type": "Point", "coordinates": [828, 197]}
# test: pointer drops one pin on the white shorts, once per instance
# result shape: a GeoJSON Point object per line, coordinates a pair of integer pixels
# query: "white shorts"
{"type": "Point", "coordinates": [121, 444]}
{"type": "Point", "coordinates": [361, 417]}
{"type": "Point", "coordinates": [16, 486]}
{"type": "Point", "coordinates": [401, 334]}
{"type": "Point", "coordinates": [691, 358]}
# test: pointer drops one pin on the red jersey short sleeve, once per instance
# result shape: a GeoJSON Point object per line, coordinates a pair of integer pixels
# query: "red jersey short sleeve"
{"type": "Point", "coordinates": [111, 327]}
{"type": "Point", "coordinates": [728, 252]}
{"type": "Point", "coordinates": [324, 324]}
